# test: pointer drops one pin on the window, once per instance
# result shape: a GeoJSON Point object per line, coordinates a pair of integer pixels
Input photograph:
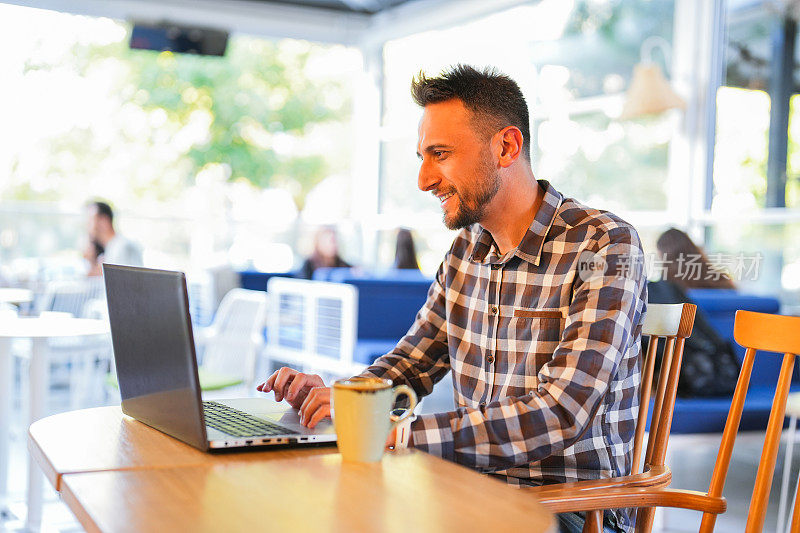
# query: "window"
{"type": "Point", "coordinates": [573, 61]}
{"type": "Point", "coordinates": [198, 154]}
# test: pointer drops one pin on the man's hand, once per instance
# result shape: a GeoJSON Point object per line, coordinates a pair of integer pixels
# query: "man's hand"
{"type": "Point", "coordinates": [316, 406]}
{"type": "Point", "coordinates": [390, 440]}
{"type": "Point", "coordinates": [293, 386]}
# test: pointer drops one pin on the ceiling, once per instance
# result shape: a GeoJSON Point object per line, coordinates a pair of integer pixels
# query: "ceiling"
{"type": "Point", "coordinates": [367, 7]}
{"type": "Point", "coordinates": [364, 23]}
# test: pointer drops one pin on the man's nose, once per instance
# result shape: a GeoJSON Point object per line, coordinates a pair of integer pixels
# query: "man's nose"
{"type": "Point", "coordinates": [427, 179]}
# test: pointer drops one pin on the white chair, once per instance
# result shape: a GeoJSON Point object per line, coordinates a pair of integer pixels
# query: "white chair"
{"type": "Point", "coordinates": [78, 362]}
{"type": "Point", "coordinates": [233, 340]}
{"type": "Point", "coordinates": [71, 296]}
{"type": "Point", "coordinates": [312, 325]}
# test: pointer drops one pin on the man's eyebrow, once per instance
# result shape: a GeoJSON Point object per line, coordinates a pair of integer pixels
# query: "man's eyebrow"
{"type": "Point", "coordinates": [433, 147]}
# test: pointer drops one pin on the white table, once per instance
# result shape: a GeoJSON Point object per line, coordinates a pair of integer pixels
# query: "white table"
{"type": "Point", "coordinates": [39, 330]}
{"type": "Point", "coordinates": [15, 296]}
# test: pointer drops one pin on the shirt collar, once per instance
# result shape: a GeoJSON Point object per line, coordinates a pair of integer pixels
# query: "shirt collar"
{"type": "Point", "coordinates": [530, 248]}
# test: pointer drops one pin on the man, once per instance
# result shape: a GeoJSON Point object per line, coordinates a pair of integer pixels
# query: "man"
{"type": "Point", "coordinates": [537, 307]}
{"type": "Point", "coordinates": [118, 250]}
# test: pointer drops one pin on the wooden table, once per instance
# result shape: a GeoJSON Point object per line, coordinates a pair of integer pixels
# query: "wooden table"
{"type": "Point", "coordinates": [116, 474]}
{"type": "Point", "coordinates": [39, 330]}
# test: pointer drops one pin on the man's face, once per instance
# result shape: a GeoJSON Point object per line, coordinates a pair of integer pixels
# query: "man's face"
{"type": "Point", "coordinates": [457, 164]}
{"type": "Point", "coordinates": [93, 221]}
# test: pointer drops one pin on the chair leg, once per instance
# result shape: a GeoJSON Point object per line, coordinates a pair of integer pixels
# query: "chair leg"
{"type": "Point", "coordinates": [795, 525]}
{"type": "Point", "coordinates": [787, 466]}
{"type": "Point", "coordinates": [644, 520]}
{"type": "Point", "coordinates": [594, 522]}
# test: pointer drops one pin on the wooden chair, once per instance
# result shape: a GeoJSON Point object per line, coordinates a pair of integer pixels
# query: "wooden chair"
{"type": "Point", "coordinates": [754, 331]}
{"type": "Point", "coordinates": [673, 323]}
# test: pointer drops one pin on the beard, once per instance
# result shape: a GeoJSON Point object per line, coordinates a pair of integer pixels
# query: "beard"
{"type": "Point", "coordinates": [472, 204]}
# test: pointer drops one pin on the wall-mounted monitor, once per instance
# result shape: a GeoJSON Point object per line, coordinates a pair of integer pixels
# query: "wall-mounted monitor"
{"type": "Point", "coordinates": [180, 39]}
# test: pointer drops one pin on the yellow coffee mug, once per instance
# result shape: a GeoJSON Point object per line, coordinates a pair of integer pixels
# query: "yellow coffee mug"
{"type": "Point", "coordinates": [362, 416]}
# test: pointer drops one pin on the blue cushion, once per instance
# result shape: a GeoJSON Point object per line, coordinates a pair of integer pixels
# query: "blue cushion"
{"type": "Point", "coordinates": [708, 415]}
{"type": "Point", "coordinates": [720, 306]}
{"type": "Point", "coordinates": [366, 351]}
{"type": "Point", "coordinates": [714, 301]}
{"type": "Point", "coordinates": [257, 281]}
{"type": "Point", "coordinates": [387, 307]}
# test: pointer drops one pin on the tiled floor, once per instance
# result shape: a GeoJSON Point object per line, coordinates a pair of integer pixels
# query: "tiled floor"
{"type": "Point", "coordinates": [691, 458]}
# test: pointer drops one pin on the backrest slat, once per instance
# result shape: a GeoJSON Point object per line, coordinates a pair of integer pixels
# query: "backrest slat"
{"type": "Point", "coordinates": [648, 369]}
{"type": "Point", "coordinates": [720, 472]}
{"type": "Point", "coordinates": [655, 420]}
{"type": "Point", "coordinates": [668, 406]}
{"type": "Point", "coordinates": [766, 467]}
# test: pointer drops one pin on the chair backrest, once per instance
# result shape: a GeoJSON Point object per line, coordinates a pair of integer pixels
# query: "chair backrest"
{"type": "Point", "coordinates": [312, 323]}
{"type": "Point", "coordinates": [237, 334]}
{"type": "Point", "coordinates": [387, 307]}
{"type": "Point", "coordinates": [767, 333]}
{"type": "Point", "coordinates": [673, 323]}
{"type": "Point", "coordinates": [72, 296]}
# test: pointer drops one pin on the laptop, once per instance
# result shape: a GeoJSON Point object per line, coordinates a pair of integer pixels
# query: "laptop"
{"type": "Point", "coordinates": [156, 362]}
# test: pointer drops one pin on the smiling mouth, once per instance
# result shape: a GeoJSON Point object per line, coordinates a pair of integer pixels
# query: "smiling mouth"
{"type": "Point", "coordinates": [443, 198]}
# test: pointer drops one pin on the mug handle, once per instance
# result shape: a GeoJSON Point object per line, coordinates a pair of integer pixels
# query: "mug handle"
{"type": "Point", "coordinates": [412, 398]}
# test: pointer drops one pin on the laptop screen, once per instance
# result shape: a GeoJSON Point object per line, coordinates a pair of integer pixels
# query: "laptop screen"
{"type": "Point", "coordinates": [154, 353]}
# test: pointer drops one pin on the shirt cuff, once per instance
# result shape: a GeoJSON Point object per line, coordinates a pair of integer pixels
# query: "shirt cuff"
{"type": "Point", "coordinates": [434, 435]}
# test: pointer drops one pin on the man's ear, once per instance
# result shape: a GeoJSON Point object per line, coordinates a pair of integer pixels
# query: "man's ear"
{"type": "Point", "coordinates": [511, 140]}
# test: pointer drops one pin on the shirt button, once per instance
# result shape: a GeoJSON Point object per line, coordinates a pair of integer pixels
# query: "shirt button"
{"type": "Point", "coordinates": [494, 310]}
{"type": "Point", "coordinates": [490, 359]}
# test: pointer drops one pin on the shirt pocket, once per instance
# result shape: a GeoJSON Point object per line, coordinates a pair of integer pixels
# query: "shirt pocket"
{"type": "Point", "coordinates": [533, 336]}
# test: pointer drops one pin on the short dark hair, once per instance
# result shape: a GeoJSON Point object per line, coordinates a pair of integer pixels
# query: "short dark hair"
{"type": "Point", "coordinates": [495, 100]}
{"type": "Point", "coordinates": [103, 209]}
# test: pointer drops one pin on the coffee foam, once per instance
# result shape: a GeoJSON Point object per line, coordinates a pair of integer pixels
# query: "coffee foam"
{"type": "Point", "coordinates": [363, 384]}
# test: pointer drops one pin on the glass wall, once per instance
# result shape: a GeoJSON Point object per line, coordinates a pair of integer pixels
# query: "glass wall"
{"type": "Point", "coordinates": [756, 150]}
{"type": "Point", "coordinates": [573, 61]}
{"type": "Point", "coordinates": [205, 159]}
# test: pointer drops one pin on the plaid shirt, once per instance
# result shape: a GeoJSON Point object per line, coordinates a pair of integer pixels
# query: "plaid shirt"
{"type": "Point", "coordinates": [544, 349]}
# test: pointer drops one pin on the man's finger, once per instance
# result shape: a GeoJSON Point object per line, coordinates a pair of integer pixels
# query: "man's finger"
{"type": "Point", "coordinates": [317, 397]}
{"type": "Point", "coordinates": [300, 398]}
{"type": "Point", "coordinates": [322, 412]}
{"type": "Point", "coordinates": [304, 405]}
{"type": "Point", "coordinates": [267, 386]}
{"type": "Point", "coordinates": [298, 383]}
{"type": "Point", "coordinates": [285, 376]}
{"type": "Point", "coordinates": [390, 440]}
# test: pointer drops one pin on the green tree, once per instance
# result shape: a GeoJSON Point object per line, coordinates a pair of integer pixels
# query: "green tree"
{"type": "Point", "coordinates": [170, 115]}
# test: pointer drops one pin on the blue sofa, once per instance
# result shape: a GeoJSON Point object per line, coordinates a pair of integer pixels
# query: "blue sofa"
{"type": "Point", "coordinates": [386, 309]}
{"type": "Point", "coordinates": [339, 275]}
{"type": "Point", "coordinates": [388, 302]}
{"type": "Point", "coordinates": [708, 415]}
{"type": "Point", "coordinates": [257, 281]}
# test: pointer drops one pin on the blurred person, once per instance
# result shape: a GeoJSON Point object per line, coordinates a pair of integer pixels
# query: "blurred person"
{"type": "Point", "coordinates": [710, 367]}
{"type": "Point", "coordinates": [542, 346]}
{"type": "Point", "coordinates": [405, 252]}
{"type": "Point", "coordinates": [685, 264]}
{"type": "Point", "coordinates": [324, 254]}
{"type": "Point", "coordinates": [118, 249]}
{"type": "Point", "coordinates": [92, 253]}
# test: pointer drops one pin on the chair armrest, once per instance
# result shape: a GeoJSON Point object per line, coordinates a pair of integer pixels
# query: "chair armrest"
{"type": "Point", "coordinates": [617, 498]}
{"type": "Point", "coordinates": [203, 334]}
{"type": "Point", "coordinates": [657, 476]}
{"type": "Point", "coordinates": [561, 497]}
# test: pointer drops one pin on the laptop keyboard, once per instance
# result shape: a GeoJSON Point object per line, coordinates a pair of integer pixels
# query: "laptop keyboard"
{"type": "Point", "coordinates": [238, 423]}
